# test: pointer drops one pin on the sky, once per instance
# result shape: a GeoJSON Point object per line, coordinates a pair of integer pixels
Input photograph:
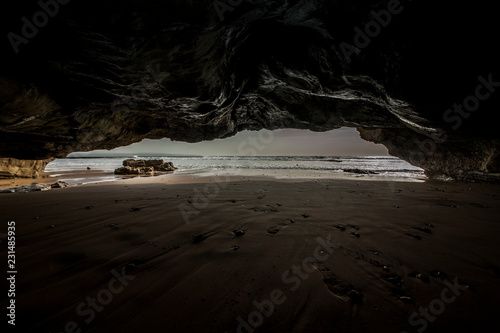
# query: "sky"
{"type": "Point", "coordinates": [288, 142]}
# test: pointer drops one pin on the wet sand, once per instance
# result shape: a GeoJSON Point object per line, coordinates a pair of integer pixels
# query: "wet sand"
{"type": "Point", "coordinates": [195, 253]}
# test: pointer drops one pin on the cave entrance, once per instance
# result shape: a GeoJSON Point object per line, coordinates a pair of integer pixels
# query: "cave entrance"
{"type": "Point", "coordinates": [284, 153]}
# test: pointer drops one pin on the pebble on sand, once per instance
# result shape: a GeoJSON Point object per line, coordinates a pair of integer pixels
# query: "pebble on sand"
{"type": "Point", "coordinates": [199, 238]}
{"type": "Point", "coordinates": [238, 232]}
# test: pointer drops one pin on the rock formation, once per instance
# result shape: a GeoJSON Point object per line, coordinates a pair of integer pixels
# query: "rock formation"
{"type": "Point", "coordinates": [144, 167]}
{"type": "Point", "coordinates": [103, 74]}
{"type": "Point", "coordinates": [35, 187]}
{"type": "Point", "coordinates": [15, 168]}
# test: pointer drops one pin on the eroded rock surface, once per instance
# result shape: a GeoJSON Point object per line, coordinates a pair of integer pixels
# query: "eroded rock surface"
{"type": "Point", "coordinates": [103, 74]}
{"type": "Point", "coordinates": [441, 156]}
{"type": "Point", "coordinates": [144, 167]}
{"type": "Point", "coordinates": [15, 168]}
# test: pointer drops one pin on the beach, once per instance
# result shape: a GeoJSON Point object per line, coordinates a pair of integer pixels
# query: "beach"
{"type": "Point", "coordinates": [236, 252]}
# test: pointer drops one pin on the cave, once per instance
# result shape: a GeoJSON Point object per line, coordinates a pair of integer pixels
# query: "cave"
{"type": "Point", "coordinates": [419, 78]}
{"type": "Point", "coordinates": [237, 253]}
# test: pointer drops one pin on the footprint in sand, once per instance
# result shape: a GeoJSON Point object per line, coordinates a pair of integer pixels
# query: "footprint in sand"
{"type": "Point", "coordinates": [334, 284]}
{"type": "Point", "coordinates": [414, 236]}
{"type": "Point", "coordinates": [275, 229]}
{"type": "Point", "coordinates": [423, 229]}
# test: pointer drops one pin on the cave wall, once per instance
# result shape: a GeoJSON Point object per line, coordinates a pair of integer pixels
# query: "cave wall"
{"type": "Point", "coordinates": [103, 74]}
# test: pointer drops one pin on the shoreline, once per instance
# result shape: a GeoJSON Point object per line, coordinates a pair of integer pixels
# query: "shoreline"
{"type": "Point", "coordinates": [78, 178]}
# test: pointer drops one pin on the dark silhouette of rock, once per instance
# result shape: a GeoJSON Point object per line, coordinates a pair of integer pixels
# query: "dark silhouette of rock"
{"type": "Point", "coordinates": [144, 167]}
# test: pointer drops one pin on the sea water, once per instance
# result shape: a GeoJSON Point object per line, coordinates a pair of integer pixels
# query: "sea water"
{"type": "Point", "coordinates": [386, 166]}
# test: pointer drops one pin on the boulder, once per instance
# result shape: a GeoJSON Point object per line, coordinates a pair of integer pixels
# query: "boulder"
{"type": "Point", "coordinates": [127, 170]}
{"type": "Point", "coordinates": [134, 163]}
{"type": "Point", "coordinates": [167, 166]}
{"type": "Point", "coordinates": [144, 167]}
{"type": "Point", "coordinates": [59, 184]}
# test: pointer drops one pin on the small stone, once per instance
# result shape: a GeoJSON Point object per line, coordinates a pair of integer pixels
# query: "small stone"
{"type": "Point", "coordinates": [135, 209]}
{"type": "Point", "coordinates": [52, 226]}
{"type": "Point", "coordinates": [236, 248]}
{"type": "Point", "coordinates": [395, 280]}
{"type": "Point", "coordinates": [341, 227]}
{"type": "Point", "coordinates": [89, 207]}
{"type": "Point", "coordinates": [386, 268]}
{"type": "Point", "coordinates": [238, 232]}
{"type": "Point", "coordinates": [199, 238]}
{"type": "Point", "coordinates": [305, 215]}
{"type": "Point", "coordinates": [356, 234]}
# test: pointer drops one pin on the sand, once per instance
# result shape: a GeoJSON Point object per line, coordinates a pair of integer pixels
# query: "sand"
{"type": "Point", "coordinates": [161, 255]}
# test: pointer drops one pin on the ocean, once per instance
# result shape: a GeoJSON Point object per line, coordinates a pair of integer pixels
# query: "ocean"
{"type": "Point", "coordinates": [385, 166]}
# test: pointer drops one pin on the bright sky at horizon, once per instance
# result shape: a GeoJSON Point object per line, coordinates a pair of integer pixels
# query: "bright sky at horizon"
{"type": "Point", "coordinates": [288, 142]}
